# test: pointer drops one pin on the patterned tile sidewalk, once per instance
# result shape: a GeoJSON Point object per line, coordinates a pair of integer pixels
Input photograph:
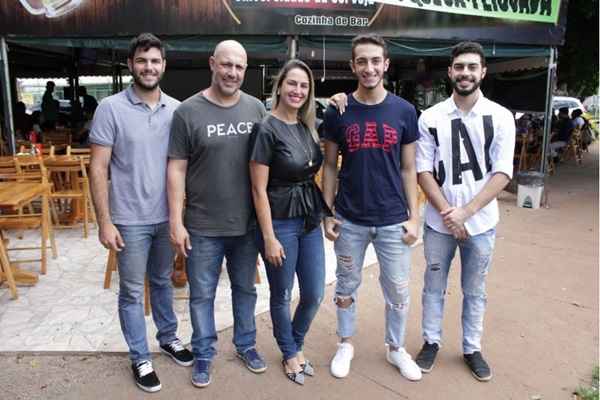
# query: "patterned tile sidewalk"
{"type": "Point", "coordinates": [68, 309]}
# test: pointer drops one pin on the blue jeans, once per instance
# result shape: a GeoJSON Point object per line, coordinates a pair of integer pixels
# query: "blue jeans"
{"type": "Point", "coordinates": [475, 260]}
{"type": "Point", "coordinates": [147, 251]}
{"type": "Point", "coordinates": [305, 258]}
{"type": "Point", "coordinates": [393, 256]}
{"type": "Point", "coordinates": [203, 270]}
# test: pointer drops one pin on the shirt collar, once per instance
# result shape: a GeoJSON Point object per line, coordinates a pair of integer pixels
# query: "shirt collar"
{"type": "Point", "coordinates": [134, 99]}
{"type": "Point", "coordinates": [478, 108]}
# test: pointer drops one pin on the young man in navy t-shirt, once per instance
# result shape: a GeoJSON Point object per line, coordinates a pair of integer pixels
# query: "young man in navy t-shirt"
{"type": "Point", "coordinates": [376, 200]}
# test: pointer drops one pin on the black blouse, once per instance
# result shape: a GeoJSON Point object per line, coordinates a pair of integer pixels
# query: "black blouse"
{"type": "Point", "coordinates": [293, 158]}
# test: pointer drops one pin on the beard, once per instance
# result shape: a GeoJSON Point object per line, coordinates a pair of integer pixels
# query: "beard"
{"type": "Point", "coordinates": [137, 78]}
{"type": "Point", "coordinates": [465, 92]}
{"type": "Point", "coordinates": [371, 86]}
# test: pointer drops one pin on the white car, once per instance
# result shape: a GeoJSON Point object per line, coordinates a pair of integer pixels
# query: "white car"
{"type": "Point", "coordinates": [572, 103]}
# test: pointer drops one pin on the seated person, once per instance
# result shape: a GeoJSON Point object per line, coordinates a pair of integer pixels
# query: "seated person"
{"type": "Point", "coordinates": [564, 130]}
{"type": "Point", "coordinates": [22, 120]}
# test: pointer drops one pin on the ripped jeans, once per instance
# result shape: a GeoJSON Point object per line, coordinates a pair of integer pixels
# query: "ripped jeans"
{"type": "Point", "coordinates": [393, 256]}
{"type": "Point", "coordinates": [475, 257]}
{"type": "Point", "coordinates": [305, 259]}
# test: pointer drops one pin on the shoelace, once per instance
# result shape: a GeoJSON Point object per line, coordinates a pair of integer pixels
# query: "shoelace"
{"type": "Point", "coordinates": [145, 368]}
{"type": "Point", "coordinates": [176, 346]}
{"type": "Point", "coordinates": [344, 351]}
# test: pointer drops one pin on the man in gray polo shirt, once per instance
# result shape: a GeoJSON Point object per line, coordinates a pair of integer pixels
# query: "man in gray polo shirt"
{"type": "Point", "coordinates": [208, 162]}
{"type": "Point", "coordinates": [130, 135]}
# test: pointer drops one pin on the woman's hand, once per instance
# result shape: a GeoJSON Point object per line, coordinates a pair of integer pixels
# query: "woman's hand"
{"type": "Point", "coordinates": [274, 252]}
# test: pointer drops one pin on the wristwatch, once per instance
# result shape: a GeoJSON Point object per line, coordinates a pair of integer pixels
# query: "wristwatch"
{"type": "Point", "coordinates": [50, 8]}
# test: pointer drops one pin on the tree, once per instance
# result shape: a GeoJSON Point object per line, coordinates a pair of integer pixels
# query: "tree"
{"type": "Point", "coordinates": [578, 58]}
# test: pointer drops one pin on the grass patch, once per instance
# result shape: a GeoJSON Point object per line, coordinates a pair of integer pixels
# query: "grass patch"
{"type": "Point", "coordinates": [590, 393]}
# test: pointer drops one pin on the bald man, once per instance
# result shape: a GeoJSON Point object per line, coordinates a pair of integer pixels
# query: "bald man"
{"type": "Point", "coordinates": [208, 165]}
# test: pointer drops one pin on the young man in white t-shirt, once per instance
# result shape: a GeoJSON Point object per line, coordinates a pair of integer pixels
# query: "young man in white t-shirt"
{"type": "Point", "coordinates": [464, 160]}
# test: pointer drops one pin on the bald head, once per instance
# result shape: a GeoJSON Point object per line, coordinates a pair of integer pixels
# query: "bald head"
{"type": "Point", "coordinates": [228, 65]}
{"type": "Point", "coordinates": [230, 48]}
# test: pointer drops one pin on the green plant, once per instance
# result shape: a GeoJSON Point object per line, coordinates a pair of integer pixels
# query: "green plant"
{"type": "Point", "coordinates": [590, 393]}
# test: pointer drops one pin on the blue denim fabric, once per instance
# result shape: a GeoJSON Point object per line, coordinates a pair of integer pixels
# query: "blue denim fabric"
{"type": "Point", "coordinates": [475, 257]}
{"type": "Point", "coordinates": [203, 269]}
{"type": "Point", "coordinates": [393, 256]}
{"type": "Point", "coordinates": [147, 251]}
{"type": "Point", "coordinates": [305, 258]}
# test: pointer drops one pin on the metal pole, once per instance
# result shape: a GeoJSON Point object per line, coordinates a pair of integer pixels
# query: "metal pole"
{"type": "Point", "coordinates": [5, 79]}
{"type": "Point", "coordinates": [548, 109]}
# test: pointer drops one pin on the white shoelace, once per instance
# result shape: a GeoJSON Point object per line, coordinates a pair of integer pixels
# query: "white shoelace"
{"type": "Point", "coordinates": [344, 351]}
{"type": "Point", "coordinates": [144, 368]}
{"type": "Point", "coordinates": [176, 345]}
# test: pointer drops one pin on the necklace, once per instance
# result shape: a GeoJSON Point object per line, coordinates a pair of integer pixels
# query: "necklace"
{"type": "Point", "coordinates": [308, 153]}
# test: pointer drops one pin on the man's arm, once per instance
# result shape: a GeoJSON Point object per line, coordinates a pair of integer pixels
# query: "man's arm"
{"type": "Point", "coordinates": [330, 174]}
{"type": "Point", "coordinates": [409, 179]}
{"type": "Point", "coordinates": [489, 192]}
{"type": "Point", "coordinates": [107, 232]}
{"type": "Point", "coordinates": [176, 170]}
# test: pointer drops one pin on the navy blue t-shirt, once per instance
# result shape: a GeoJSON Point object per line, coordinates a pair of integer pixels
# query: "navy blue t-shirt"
{"type": "Point", "coordinates": [370, 138]}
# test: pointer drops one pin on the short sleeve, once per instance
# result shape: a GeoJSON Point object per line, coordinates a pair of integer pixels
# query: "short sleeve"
{"type": "Point", "coordinates": [503, 146]}
{"type": "Point", "coordinates": [330, 125]}
{"type": "Point", "coordinates": [179, 139]}
{"type": "Point", "coordinates": [412, 132]}
{"type": "Point", "coordinates": [262, 143]}
{"type": "Point", "coordinates": [103, 130]}
{"type": "Point", "coordinates": [425, 147]}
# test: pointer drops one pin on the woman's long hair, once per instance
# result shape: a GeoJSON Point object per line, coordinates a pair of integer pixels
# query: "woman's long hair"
{"type": "Point", "coordinates": [306, 113]}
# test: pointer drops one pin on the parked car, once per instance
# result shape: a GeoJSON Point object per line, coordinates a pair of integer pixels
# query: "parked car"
{"type": "Point", "coordinates": [572, 103]}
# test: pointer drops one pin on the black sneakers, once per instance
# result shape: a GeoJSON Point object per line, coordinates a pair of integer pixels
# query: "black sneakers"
{"type": "Point", "coordinates": [479, 368]}
{"type": "Point", "coordinates": [426, 357]}
{"type": "Point", "coordinates": [178, 353]}
{"type": "Point", "coordinates": [145, 377]}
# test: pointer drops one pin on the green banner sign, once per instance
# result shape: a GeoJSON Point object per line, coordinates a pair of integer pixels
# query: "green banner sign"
{"type": "Point", "coordinates": [521, 10]}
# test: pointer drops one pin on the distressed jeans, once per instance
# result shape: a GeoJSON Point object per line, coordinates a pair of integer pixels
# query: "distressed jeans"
{"type": "Point", "coordinates": [147, 252]}
{"type": "Point", "coordinates": [203, 269]}
{"type": "Point", "coordinates": [304, 258]}
{"type": "Point", "coordinates": [475, 258]}
{"type": "Point", "coordinates": [393, 256]}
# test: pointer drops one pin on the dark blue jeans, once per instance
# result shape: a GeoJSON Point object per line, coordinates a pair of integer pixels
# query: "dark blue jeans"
{"type": "Point", "coordinates": [203, 270]}
{"type": "Point", "coordinates": [305, 258]}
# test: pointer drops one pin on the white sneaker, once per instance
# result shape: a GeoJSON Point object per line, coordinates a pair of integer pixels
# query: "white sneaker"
{"type": "Point", "coordinates": [408, 368]}
{"type": "Point", "coordinates": [340, 365]}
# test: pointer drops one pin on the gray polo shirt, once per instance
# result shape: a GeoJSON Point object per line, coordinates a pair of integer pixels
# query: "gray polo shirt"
{"type": "Point", "coordinates": [139, 137]}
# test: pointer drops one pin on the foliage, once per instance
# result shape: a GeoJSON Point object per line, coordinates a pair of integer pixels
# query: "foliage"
{"type": "Point", "coordinates": [581, 44]}
{"type": "Point", "coordinates": [589, 393]}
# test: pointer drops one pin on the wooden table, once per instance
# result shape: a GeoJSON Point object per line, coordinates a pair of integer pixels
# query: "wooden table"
{"type": "Point", "coordinates": [15, 195]}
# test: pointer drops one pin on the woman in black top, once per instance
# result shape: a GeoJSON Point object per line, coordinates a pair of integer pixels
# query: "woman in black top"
{"type": "Point", "coordinates": [285, 156]}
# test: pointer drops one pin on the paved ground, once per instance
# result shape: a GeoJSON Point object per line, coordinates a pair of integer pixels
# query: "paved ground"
{"type": "Point", "coordinates": [541, 328]}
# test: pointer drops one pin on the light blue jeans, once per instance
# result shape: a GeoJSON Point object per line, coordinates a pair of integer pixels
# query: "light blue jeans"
{"type": "Point", "coordinates": [147, 251]}
{"type": "Point", "coordinates": [393, 256]}
{"type": "Point", "coordinates": [203, 270]}
{"type": "Point", "coordinates": [475, 258]}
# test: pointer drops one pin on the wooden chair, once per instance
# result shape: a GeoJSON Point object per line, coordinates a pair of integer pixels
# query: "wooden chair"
{"type": "Point", "coordinates": [574, 149]}
{"type": "Point", "coordinates": [38, 187]}
{"type": "Point", "coordinates": [71, 184]}
{"type": "Point", "coordinates": [6, 272]}
{"type": "Point", "coordinates": [78, 151]}
{"type": "Point", "coordinates": [111, 265]}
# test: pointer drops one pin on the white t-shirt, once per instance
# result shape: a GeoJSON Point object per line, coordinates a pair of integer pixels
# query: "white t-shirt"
{"type": "Point", "coordinates": [463, 152]}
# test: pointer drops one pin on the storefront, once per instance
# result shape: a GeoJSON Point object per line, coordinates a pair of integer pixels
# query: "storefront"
{"type": "Point", "coordinates": [45, 37]}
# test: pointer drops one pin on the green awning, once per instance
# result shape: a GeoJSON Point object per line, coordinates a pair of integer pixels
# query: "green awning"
{"type": "Point", "coordinates": [427, 48]}
{"type": "Point", "coordinates": [199, 44]}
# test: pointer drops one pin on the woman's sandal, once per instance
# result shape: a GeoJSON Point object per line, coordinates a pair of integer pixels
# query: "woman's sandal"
{"type": "Point", "coordinates": [307, 368]}
{"type": "Point", "coordinates": [296, 377]}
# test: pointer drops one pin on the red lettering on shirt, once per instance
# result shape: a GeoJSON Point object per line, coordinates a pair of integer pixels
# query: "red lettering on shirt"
{"type": "Point", "coordinates": [353, 138]}
{"type": "Point", "coordinates": [390, 137]}
{"type": "Point", "coordinates": [370, 140]}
